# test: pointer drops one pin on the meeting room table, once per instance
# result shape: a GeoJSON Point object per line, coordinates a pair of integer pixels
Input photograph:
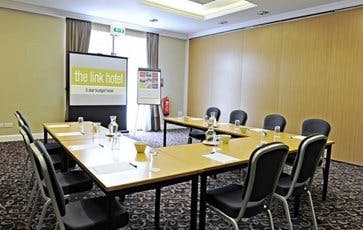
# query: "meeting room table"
{"type": "Point", "coordinates": [255, 135]}
{"type": "Point", "coordinates": [123, 170]}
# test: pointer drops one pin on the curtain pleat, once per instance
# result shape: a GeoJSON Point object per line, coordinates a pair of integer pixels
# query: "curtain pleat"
{"type": "Point", "coordinates": [152, 41]}
{"type": "Point", "coordinates": [78, 35]}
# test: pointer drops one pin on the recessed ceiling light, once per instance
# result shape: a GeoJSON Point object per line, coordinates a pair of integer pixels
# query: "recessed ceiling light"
{"type": "Point", "coordinates": [262, 12]}
{"type": "Point", "coordinates": [201, 9]}
{"type": "Point", "coordinates": [153, 20]}
{"type": "Point", "coordinates": [222, 22]}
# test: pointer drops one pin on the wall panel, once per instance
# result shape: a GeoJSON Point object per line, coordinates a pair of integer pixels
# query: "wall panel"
{"type": "Point", "coordinates": [260, 75]}
{"type": "Point", "coordinates": [346, 86]}
{"type": "Point", "coordinates": [304, 68]}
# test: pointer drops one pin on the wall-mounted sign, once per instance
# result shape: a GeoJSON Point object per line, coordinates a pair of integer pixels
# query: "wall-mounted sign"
{"type": "Point", "coordinates": [117, 30]}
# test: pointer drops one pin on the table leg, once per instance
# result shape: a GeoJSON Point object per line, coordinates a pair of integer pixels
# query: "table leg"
{"type": "Point", "coordinates": [202, 203]}
{"type": "Point", "coordinates": [326, 171]}
{"type": "Point", "coordinates": [194, 204]}
{"type": "Point", "coordinates": [157, 208]}
{"type": "Point", "coordinates": [109, 212]}
{"type": "Point", "coordinates": [164, 132]}
{"type": "Point", "coordinates": [45, 135]}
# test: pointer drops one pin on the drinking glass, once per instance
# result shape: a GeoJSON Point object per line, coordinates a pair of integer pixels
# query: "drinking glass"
{"type": "Point", "coordinates": [153, 156]}
{"type": "Point", "coordinates": [96, 128]}
{"type": "Point", "coordinates": [115, 142]}
{"type": "Point", "coordinates": [80, 120]}
{"type": "Point", "coordinates": [277, 132]}
{"type": "Point", "coordinates": [237, 123]}
{"type": "Point", "coordinates": [263, 136]}
{"type": "Point", "coordinates": [80, 123]}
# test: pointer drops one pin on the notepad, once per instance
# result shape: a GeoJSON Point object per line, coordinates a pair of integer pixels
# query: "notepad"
{"type": "Point", "coordinates": [257, 129]}
{"type": "Point", "coordinates": [82, 147]}
{"type": "Point", "coordinates": [220, 157]}
{"type": "Point", "coordinates": [69, 134]}
{"type": "Point", "coordinates": [195, 118]}
{"type": "Point", "coordinates": [58, 126]}
{"type": "Point", "coordinates": [298, 137]}
{"type": "Point", "coordinates": [113, 168]}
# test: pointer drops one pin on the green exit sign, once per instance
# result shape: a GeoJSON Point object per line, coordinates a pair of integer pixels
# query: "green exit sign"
{"type": "Point", "coordinates": [117, 30]}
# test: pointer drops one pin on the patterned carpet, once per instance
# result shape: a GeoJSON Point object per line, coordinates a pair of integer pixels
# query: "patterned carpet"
{"type": "Point", "coordinates": [342, 210]}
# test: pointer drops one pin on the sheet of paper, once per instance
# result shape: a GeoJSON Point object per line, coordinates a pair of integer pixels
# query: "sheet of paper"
{"type": "Point", "coordinates": [113, 168]}
{"type": "Point", "coordinates": [257, 129]}
{"type": "Point", "coordinates": [81, 147]}
{"type": "Point", "coordinates": [298, 137]}
{"type": "Point", "coordinates": [196, 118]}
{"type": "Point", "coordinates": [220, 157]}
{"type": "Point", "coordinates": [58, 126]}
{"type": "Point", "coordinates": [69, 134]}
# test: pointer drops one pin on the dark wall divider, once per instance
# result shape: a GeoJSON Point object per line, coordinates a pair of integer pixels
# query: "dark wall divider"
{"type": "Point", "coordinates": [100, 114]}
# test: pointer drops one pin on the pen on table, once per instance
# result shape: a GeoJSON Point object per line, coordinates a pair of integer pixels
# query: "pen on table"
{"type": "Point", "coordinates": [133, 165]}
{"type": "Point", "coordinates": [101, 145]}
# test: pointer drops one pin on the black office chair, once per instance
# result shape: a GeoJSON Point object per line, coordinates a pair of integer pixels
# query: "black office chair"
{"type": "Point", "coordinates": [273, 120]}
{"type": "Point", "coordinates": [54, 149]}
{"type": "Point", "coordinates": [310, 127]}
{"type": "Point", "coordinates": [51, 147]}
{"type": "Point", "coordinates": [315, 126]}
{"type": "Point", "coordinates": [235, 201]}
{"type": "Point", "coordinates": [73, 181]}
{"type": "Point", "coordinates": [301, 177]}
{"type": "Point", "coordinates": [238, 115]}
{"type": "Point", "coordinates": [200, 134]}
{"type": "Point", "coordinates": [84, 214]}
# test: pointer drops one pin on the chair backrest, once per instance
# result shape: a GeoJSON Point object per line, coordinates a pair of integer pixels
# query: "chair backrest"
{"type": "Point", "coordinates": [264, 168]}
{"type": "Point", "coordinates": [273, 120]}
{"type": "Point", "coordinates": [315, 126]}
{"type": "Point", "coordinates": [216, 111]}
{"type": "Point", "coordinates": [47, 171]}
{"type": "Point", "coordinates": [238, 115]}
{"type": "Point", "coordinates": [27, 132]}
{"type": "Point", "coordinates": [307, 160]}
{"type": "Point", "coordinates": [28, 139]}
{"type": "Point", "coordinates": [21, 120]}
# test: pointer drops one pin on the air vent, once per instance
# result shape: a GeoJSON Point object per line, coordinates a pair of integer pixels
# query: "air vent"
{"type": "Point", "coordinates": [202, 2]}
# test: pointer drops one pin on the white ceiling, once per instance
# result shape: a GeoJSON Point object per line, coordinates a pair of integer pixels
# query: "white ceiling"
{"type": "Point", "coordinates": [133, 14]}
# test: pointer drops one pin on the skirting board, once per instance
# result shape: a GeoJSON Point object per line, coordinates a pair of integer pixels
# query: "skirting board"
{"type": "Point", "coordinates": [18, 137]}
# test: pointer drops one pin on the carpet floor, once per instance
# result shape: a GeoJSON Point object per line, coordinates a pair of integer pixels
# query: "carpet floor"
{"type": "Point", "coordinates": [343, 208]}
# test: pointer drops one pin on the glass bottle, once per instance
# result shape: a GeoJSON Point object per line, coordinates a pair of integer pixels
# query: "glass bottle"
{"type": "Point", "coordinates": [210, 134]}
{"type": "Point", "coordinates": [213, 119]}
{"type": "Point", "coordinates": [113, 126]}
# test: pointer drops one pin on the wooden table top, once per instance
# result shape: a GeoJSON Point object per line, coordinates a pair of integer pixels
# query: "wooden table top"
{"type": "Point", "coordinates": [111, 169]}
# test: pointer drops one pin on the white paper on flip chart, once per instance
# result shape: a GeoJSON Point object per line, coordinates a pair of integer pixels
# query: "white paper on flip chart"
{"type": "Point", "coordinates": [69, 134]}
{"type": "Point", "coordinates": [58, 126]}
{"type": "Point", "coordinates": [113, 168]}
{"type": "Point", "coordinates": [220, 157]}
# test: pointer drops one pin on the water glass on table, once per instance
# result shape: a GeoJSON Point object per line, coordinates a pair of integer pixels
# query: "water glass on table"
{"type": "Point", "coordinates": [277, 132]}
{"type": "Point", "coordinates": [80, 123]}
{"type": "Point", "coordinates": [237, 123]}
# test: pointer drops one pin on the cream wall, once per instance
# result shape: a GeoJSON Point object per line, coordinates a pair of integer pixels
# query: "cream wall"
{"type": "Point", "coordinates": [33, 69]}
{"type": "Point", "coordinates": [32, 57]}
{"type": "Point", "coordinates": [302, 69]}
{"type": "Point", "coordinates": [172, 52]}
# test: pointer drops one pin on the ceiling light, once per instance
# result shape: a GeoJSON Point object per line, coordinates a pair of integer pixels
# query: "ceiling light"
{"type": "Point", "coordinates": [201, 9]}
{"type": "Point", "coordinates": [262, 12]}
{"type": "Point", "coordinates": [153, 20]}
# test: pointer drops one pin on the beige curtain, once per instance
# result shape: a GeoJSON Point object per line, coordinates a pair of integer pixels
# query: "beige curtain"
{"type": "Point", "coordinates": [78, 34]}
{"type": "Point", "coordinates": [152, 42]}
